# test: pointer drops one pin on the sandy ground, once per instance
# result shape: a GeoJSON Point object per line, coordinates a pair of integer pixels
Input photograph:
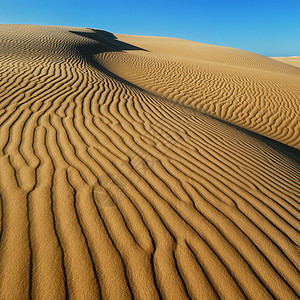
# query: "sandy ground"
{"type": "Point", "coordinates": [146, 168]}
{"type": "Point", "coordinates": [291, 60]}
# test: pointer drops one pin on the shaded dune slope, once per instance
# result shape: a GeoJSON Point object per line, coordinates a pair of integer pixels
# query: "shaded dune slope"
{"type": "Point", "coordinates": [122, 176]}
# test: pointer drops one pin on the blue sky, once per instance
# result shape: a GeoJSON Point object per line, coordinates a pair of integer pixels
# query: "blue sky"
{"type": "Point", "coordinates": [270, 28]}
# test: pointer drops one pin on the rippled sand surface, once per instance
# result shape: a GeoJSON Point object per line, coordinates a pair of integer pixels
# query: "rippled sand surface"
{"type": "Point", "coordinates": [145, 167]}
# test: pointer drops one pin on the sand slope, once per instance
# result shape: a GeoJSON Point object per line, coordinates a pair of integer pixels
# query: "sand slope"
{"type": "Point", "coordinates": [239, 87]}
{"type": "Point", "coordinates": [147, 168]}
{"type": "Point", "coordinates": [291, 60]}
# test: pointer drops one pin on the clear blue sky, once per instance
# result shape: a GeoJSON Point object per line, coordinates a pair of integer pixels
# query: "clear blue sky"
{"type": "Point", "coordinates": [270, 28]}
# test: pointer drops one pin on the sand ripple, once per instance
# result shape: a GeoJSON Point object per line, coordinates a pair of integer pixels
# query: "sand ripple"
{"type": "Point", "coordinates": [127, 173]}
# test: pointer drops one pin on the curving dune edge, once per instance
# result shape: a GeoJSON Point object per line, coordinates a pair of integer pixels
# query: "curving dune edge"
{"type": "Point", "coordinates": [146, 168]}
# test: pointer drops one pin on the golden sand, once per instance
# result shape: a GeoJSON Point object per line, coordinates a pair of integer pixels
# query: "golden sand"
{"type": "Point", "coordinates": [146, 168]}
{"type": "Point", "coordinates": [291, 60]}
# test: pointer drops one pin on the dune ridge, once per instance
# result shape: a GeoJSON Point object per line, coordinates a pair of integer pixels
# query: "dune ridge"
{"type": "Point", "coordinates": [132, 168]}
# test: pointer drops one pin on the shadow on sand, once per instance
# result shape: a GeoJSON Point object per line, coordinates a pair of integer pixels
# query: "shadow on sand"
{"type": "Point", "coordinates": [108, 42]}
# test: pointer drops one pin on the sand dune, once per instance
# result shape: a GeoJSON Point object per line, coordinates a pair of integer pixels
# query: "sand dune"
{"type": "Point", "coordinates": [291, 60]}
{"type": "Point", "coordinates": [147, 168]}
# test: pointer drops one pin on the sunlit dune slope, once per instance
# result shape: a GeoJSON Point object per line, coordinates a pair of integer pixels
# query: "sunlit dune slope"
{"type": "Point", "coordinates": [146, 168]}
{"type": "Point", "coordinates": [239, 87]}
{"type": "Point", "coordinates": [291, 60]}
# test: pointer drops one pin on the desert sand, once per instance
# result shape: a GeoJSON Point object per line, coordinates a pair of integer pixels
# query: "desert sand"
{"type": "Point", "coordinates": [291, 60]}
{"type": "Point", "coordinates": [146, 167]}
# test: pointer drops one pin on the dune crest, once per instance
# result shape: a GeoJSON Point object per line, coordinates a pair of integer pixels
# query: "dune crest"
{"type": "Point", "coordinates": [147, 168]}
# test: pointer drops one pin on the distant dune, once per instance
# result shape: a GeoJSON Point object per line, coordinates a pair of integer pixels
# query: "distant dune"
{"type": "Point", "coordinates": [291, 60]}
{"type": "Point", "coordinates": [146, 167]}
